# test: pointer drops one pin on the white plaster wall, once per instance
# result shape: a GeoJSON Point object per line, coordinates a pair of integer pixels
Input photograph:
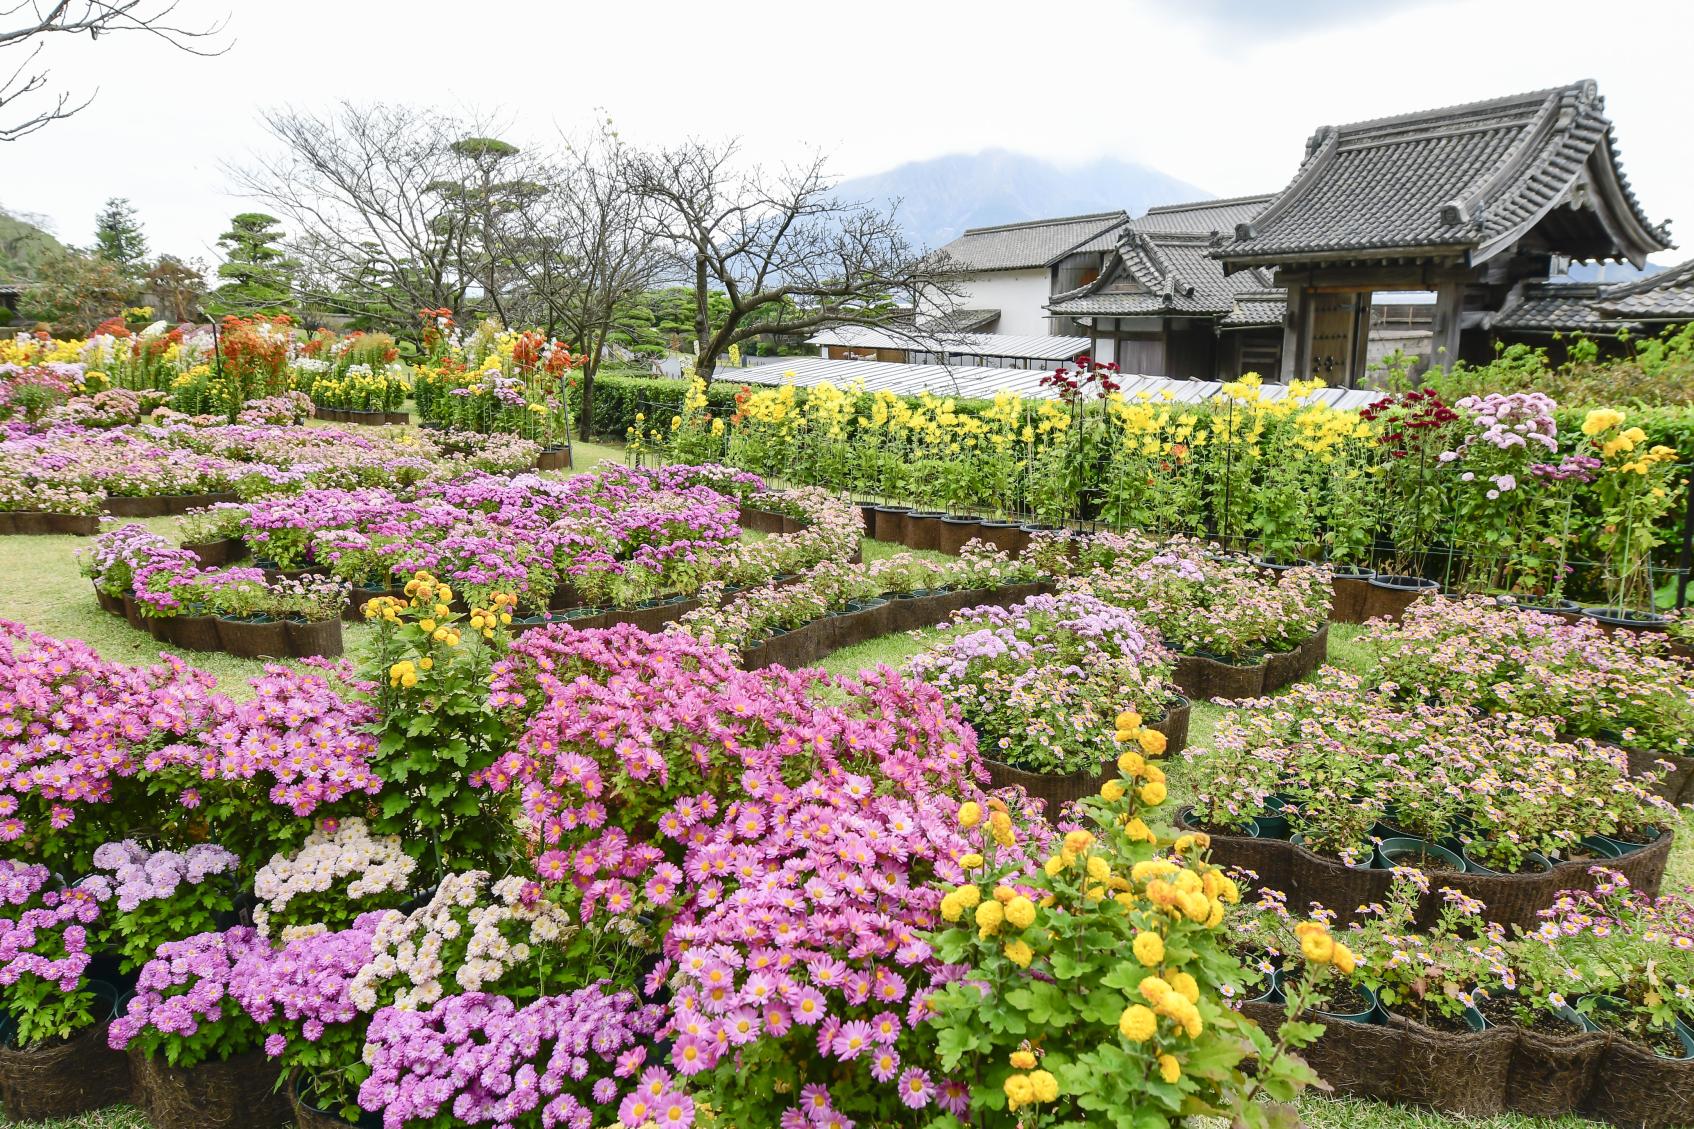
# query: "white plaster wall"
{"type": "Point", "coordinates": [1020, 296]}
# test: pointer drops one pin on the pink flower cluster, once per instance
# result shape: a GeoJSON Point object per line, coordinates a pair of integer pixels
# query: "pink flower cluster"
{"type": "Point", "coordinates": [48, 939]}
{"type": "Point", "coordinates": [182, 996]}
{"type": "Point", "coordinates": [296, 731]}
{"type": "Point", "coordinates": [73, 726]}
{"type": "Point", "coordinates": [304, 988]}
{"type": "Point", "coordinates": [801, 820]}
{"type": "Point", "coordinates": [138, 875]}
{"type": "Point", "coordinates": [484, 1060]}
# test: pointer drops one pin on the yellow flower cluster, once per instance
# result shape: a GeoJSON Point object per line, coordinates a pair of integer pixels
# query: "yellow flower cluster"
{"type": "Point", "coordinates": [487, 619]}
{"type": "Point", "coordinates": [1034, 1088]}
{"type": "Point", "coordinates": [1318, 947]}
{"type": "Point", "coordinates": [1620, 448]}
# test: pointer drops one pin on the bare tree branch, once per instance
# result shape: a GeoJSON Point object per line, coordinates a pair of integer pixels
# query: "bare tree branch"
{"type": "Point", "coordinates": [37, 21]}
{"type": "Point", "coordinates": [790, 255]}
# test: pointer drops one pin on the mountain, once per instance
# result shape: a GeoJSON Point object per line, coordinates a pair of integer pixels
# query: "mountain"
{"type": "Point", "coordinates": [22, 245]}
{"type": "Point", "coordinates": [941, 197]}
{"type": "Point", "coordinates": [1609, 273]}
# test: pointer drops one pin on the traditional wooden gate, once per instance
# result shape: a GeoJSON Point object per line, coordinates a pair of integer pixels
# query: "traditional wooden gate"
{"type": "Point", "coordinates": [1334, 341]}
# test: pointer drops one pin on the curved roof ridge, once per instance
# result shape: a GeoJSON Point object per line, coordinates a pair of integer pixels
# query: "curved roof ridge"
{"type": "Point", "coordinates": [1053, 222]}
{"type": "Point", "coordinates": [1218, 202]}
{"type": "Point", "coordinates": [1457, 109]}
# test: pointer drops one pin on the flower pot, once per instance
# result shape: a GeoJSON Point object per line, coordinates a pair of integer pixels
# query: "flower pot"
{"type": "Point", "coordinates": [132, 613]}
{"type": "Point", "coordinates": [867, 519]}
{"type": "Point", "coordinates": [1415, 853]}
{"type": "Point", "coordinates": [923, 530]}
{"type": "Point", "coordinates": [73, 525]}
{"type": "Point", "coordinates": [1636, 1085]}
{"type": "Point", "coordinates": [1006, 536]}
{"type": "Point", "coordinates": [1369, 1014]}
{"type": "Point", "coordinates": [1203, 678]}
{"type": "Point", "coordinates": [319, 637]}
{"type": "Point", "coordinates": [64, 1078]}
{"type": "Point", "coordinates": [239, 1091]}
{"type": "Point", "coordinates": [1568, 610]}
{"type": "Point", "coordinates": [137, 507]}
{"type": "Point", "coordinates": [1532, 864]}
{"type": "Point", "coordinates": [31, 521]}
{"type": "Point", "coordinates": [1368, 855]}
{"type": "Point", "coordinates": [1629, 845]}
{"type": "Point", "coordinates": [108, 603]}
{"type": "Point", "coordinates": [309, 1115]}
{"type": "Point", "coordinates": [1188, 818]}
{"type": "Point", "coordinates": [192, 632]}
{"type": "Point", "coordinates": [8, 522]}
{"type": "Point", "coordinates": [210, 554]}
{"type": "Point", "coordinates": [759, 521]}
{"type": "Point", "coordinates": [1174, 724]}
{"type": "Point", "coordinates": [400, 419]}
{"type": "Point", "coordinates": [1054, 789]}
{"type": "Point", "coordinates": [553, 458]}
{"type": "Point", "coordinates": [956, 532]}
{"type": "Point", "coordinates": [157, 626]}
{"type": "Point", "coordinates": [253, 639]}
{"type": "Point", "coordinates": [1349, 590]}
{"type": "Point", "coordinates": [1464, 1072]}
{"type": "Point", "coordinates": [891, 523]}
{"type": "Point", "coordinates": [1613, 619]}
{"type": "Point", "coordinates": [1388, 597]}
{"type": "Point", "coordinates": [1552, 1070]}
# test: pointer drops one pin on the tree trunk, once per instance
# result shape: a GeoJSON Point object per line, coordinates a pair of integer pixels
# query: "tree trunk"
{"type": "Point", "coordinates": [585, 419]}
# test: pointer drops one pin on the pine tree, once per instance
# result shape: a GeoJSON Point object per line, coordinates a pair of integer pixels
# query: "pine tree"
{"type": "Point", "coordinates": [260, 274]}
{"type": "Point", "coordinates": [118, 237]}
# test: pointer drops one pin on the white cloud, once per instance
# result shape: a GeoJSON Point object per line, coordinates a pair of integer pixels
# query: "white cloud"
{"type": "Point", "coordinates": [1209, 93]}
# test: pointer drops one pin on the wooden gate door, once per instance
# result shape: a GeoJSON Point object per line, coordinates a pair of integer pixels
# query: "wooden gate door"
{"type": "Point", "coordinates": [1335, 319]}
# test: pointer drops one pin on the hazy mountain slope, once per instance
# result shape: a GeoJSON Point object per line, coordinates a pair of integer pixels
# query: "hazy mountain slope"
{"type": "Point", "coordinates": [941, 197]}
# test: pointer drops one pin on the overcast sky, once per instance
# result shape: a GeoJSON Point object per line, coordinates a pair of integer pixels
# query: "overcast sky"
{"type": "Point", "coordinates": [1219, 93]}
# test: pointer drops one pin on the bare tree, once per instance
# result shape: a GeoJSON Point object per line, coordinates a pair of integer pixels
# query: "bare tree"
{"type": "Point", "coordinates": [582, 253]}
{"type": "Point", "coordinates": [790, 255]}
{"type": "Point", "coordinates": [35, 21]}
{"type": "Point", "coordinates": [386, 198]}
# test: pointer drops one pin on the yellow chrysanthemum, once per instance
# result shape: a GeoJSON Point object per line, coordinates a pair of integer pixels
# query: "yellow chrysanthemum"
{"type": "Point", "coordinates": [1138, 1023]}
{"type": "Point", "coordinates": [1149, 949]}
{"type": "Point", "coordinates": [1170, 1069]}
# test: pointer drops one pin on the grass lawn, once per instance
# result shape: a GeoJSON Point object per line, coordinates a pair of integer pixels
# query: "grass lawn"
{"type": "Point", "coordinates": [43, 589]}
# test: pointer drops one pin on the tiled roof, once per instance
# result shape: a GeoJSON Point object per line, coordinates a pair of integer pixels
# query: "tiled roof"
{"type": "Point", "coordinates": [1256, 309]}
{"type": "Point", "coordinates": [959, 321]}
{"type": "Point", "coordinates": [1556, 306]}
{"type": "Point", "coordinates": [1202, 216]}
{"type": "Point", "coordinates": [1023, 246]}
{"type": "Point", "coordinates": [1166, 273]}
{"type": "Point", "coordinates": [1468, 180]}
{"type": "Point", "coordinates": [1665, 296]}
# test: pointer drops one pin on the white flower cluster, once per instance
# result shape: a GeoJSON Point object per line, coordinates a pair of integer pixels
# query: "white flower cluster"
{"type": "Point", "coordinates": [339, 856]}
{"type": "Point", "coordinates": [478, 941]}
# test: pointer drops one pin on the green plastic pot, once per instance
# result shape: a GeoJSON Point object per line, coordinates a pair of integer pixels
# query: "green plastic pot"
{"type": "Point", "coordinates": [1533, 864]}
{"type": "Point", "coordinates": [1407, 846]}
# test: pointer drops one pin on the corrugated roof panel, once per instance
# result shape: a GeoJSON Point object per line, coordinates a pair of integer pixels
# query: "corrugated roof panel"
{"type": "Point", "coordinates": [974, 382]}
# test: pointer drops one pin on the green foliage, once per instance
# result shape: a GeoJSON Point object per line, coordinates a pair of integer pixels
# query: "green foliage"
{"type": "Point", "coordinates": [1644, 371]}
{"type": "Point", "coordinates": [260, 273]}
{"type": "Point", "coordinates": [118, 237]}
{"type": "Point", "coordinates": [431, 665]}
{"type": "Point", "coordinates": [75, 292]}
